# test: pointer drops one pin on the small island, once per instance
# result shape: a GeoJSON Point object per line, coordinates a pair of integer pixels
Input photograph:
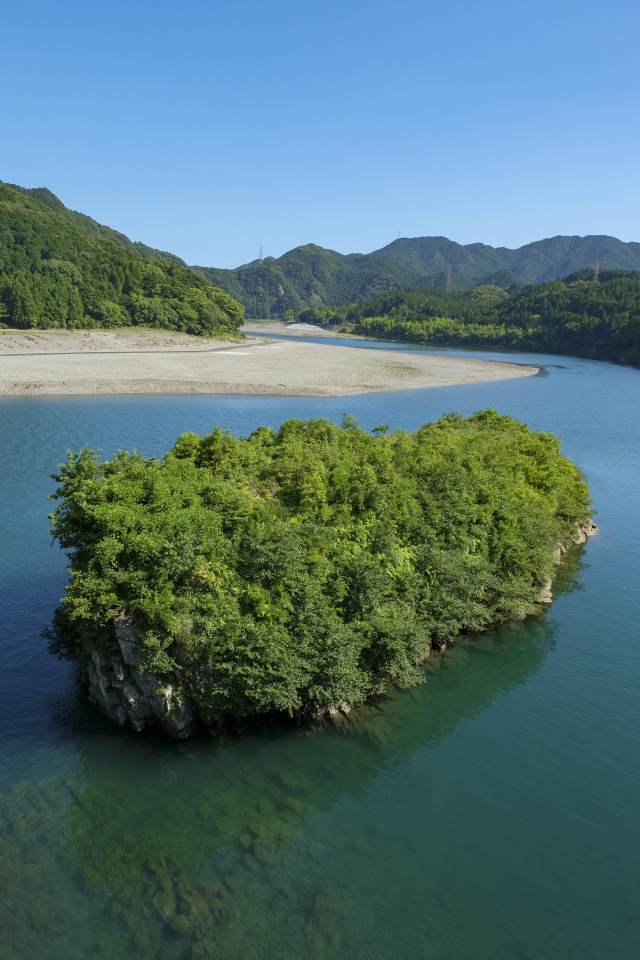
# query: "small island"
{"type": "Point", "coordinates": [302, 571]}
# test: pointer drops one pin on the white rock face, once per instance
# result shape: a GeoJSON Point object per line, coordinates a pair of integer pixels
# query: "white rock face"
{"type": "Point", "coordinates": [584, 531]}
{"type": "Point", "coordinates": [580, 535]}
{"type": "Point", "coordinates": [127, 695]}
{"type": "Point", "coordinates": [546, 594]}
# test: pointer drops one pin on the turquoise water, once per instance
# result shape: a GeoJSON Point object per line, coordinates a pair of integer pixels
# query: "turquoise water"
{"type": "Point", "coordinates": [492, 813]}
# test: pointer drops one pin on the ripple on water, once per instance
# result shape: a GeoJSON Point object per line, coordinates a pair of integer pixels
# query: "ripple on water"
{"type": "Point", "coordinates": [490, 813]}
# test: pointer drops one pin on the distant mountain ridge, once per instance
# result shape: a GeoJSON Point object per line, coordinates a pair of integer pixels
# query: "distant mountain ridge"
{"type": "Point", "coordinates": [62, 268]}
{"type": "Point", "coordinates": [311, 275]}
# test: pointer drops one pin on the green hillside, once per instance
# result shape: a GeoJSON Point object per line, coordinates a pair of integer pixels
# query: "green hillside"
{"type": "Point", "coordinates": [311, 276]}
{"type": "Point", "coordinates": [594, 319]}
{"type": "Point", "coordinates": [578, 315]}
{"type": "Point", "coordinates": [61, 269]}
{"type": "Point", "coordinates": [548, 259]}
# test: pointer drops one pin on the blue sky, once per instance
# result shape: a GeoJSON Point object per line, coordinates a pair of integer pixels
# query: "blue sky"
{"type": "Point", "coordinates": [210, 129]}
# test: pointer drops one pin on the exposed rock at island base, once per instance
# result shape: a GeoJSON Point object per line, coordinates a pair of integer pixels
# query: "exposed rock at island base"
{"type": "Point", "coordinates": [131, 696]}
{"type": "Point", "coordinates": [126, 694]}
{"type": "Point", "coordinates": [579, 537]}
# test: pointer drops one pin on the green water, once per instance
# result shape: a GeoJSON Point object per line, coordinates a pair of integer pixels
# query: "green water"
{"type": "Point", "coordinates": [492, 812]}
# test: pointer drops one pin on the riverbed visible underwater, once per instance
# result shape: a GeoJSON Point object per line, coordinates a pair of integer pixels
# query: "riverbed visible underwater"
{"type": "Point", "coordinates": [490, 813]}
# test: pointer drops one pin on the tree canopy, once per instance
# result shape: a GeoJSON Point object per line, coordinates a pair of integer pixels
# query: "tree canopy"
{"type": "Point", "coordinates": [312, 276]}
{"type": "Point", "coordinates": [61, 269]}
{"type": "Point", "coordinates": [299, 569]}
{"type": "Point", "coordinates": [580, 315]}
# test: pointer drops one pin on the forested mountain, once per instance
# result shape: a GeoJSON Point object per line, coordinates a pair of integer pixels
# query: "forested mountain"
{"type": "Point", "coordinates": [312, 276]}
{"type": "Point", "coordinates": [578, 315]}
{"type": "Point", "coordinates": [59, 268]}
{"type": "Point", "coordinates": [536, 262]}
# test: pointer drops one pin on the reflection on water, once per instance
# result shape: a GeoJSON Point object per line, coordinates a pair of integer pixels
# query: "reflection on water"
{"type": "Point", "coordinates": [152, 849]}
{"type": "Point", "coordinates": [490, 813]}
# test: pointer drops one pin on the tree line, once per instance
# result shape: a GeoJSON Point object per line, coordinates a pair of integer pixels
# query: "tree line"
{"type": "Point", "coordinates": [579, 315]}
{"type": "Point", "coordinates": [61, 270]}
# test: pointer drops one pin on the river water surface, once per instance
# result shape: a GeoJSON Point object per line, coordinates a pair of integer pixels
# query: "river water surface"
{"type": "Point", "coordinates": [491, 813]}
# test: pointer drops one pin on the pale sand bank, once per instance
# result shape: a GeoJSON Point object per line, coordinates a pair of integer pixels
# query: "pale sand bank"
{"type": "Point", "coordinates": [109, 362]}
{"type": "Point", "coordinates": [253, 327]}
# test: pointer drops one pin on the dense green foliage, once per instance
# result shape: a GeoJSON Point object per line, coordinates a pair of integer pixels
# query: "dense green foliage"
{"type": "Point", "coordinates": [400, 305]}
{"type": "Point", "coordinates": [61, 269]}
{"type": "Point", "coordinates": [311, 276]}
{"type": "Point", "coordinates": [579, 315]}
{"type": "Point", "coordinates": [594, 319]}
{"type": "Point", "coordinates": [295, 570]}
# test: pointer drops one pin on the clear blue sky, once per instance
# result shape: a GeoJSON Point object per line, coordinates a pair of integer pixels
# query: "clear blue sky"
{"type": "Point", "coordinates": [211, 128]}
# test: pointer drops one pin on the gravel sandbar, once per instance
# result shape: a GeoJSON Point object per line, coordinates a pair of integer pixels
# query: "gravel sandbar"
{"type": "Point", "coordinates": [49, 362]}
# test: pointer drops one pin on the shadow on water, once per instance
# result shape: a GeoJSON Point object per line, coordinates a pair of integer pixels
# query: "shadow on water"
{"type": "Point", "coordinates": [489, 813]}
{"type": "Point", "coordinates": [153, 849]}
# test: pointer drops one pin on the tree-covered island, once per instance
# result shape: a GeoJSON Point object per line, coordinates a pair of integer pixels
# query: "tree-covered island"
{"type": "Point", "coordinates": [304, 570]}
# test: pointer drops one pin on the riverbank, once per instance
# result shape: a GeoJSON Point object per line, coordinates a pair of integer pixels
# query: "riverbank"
{"type": "Point", "coordinates": [133, 697]}
{"type": "Point", "coordinates": [254, 328]}
{"type": "Point", "coordinates": [517, 721]}
{"type": "Point", "coordinates": [67, 362]}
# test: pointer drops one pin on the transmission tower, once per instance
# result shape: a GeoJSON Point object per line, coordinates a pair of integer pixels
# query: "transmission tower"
{"type": "Point", "coordinates": [596, 272]}
{"type": "Point", "coordinates": [449, 279]}
{"type": "Point", "coordinates": [260, 258]}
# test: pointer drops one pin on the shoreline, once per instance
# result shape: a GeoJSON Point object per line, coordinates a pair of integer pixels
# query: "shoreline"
{"type": "Point", "coordinates": [119, 687]}
{"type": "Point", "coordinates": [139, 362]}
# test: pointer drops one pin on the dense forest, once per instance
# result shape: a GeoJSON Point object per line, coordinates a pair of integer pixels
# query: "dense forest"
{"type": "Point", "coordinates": [61, 269]}
{"type": "Point", "coordinates": [306, 569]}
{"type": "Point", "coordinates": [598, 319]}
{"type": "Point", "coordinates": [579, 315]}
{"type": "Point", "coordinates": [404, 305]}
{"type": "Point", "coordinates": [312, 276]}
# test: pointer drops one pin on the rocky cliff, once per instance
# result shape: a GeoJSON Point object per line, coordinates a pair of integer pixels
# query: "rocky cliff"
{"type": "Point", "coordinates": [127, 694]}
{"type": "Point", "coordinates": [581, 534]}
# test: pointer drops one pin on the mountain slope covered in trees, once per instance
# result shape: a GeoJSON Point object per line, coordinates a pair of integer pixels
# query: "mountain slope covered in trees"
{"type": "Point", "coordinates": [61, 269]}
{"type": "Point", "coordinates": [578, 315]}
{"type": "Point", "coordinates": [311, 276]}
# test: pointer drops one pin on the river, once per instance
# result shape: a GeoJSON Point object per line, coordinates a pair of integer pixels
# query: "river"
{"type": "Point", "coordinates": [491, 813]}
